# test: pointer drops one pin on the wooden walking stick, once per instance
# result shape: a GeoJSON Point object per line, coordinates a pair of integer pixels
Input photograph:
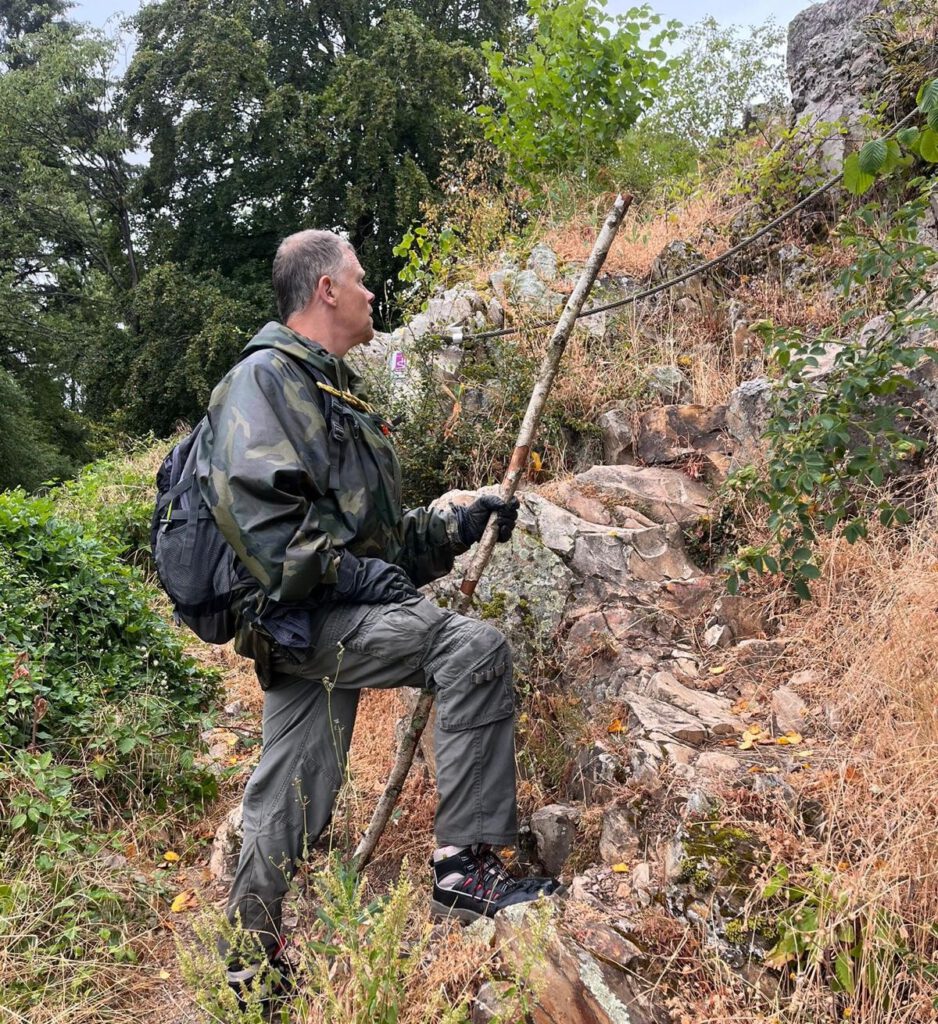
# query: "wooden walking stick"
{"type": "Point", "coordinates": [519, 460]}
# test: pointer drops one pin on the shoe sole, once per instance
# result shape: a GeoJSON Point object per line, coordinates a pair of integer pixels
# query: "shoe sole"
{"type": "Point", "coordinates": [441, 912]}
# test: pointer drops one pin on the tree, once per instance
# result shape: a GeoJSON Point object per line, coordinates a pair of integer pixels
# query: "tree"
{"type": "Point", "coordinates": [66, 246]}
{"type": "Point", "coordinates": [265, 118]}
{"type": "Point", "coordinates": [580, 84]}
{"type": "Point", "coordinates": [721, 72]}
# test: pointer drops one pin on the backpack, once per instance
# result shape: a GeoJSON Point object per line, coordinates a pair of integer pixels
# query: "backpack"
{"type": "Point", "coordinates": [196, 566]}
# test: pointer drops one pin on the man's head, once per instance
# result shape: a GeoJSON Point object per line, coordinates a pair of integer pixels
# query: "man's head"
{"type": "Point", "coordinates": [320, 290]}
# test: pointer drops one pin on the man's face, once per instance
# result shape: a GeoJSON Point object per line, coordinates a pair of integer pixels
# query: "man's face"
{"type": "Point", "coordinates": [353, 304]}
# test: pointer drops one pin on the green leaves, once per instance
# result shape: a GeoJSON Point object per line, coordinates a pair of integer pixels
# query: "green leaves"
{"type": "Point", "coordinates": [832, 445]}
{"type": "Point", "coordinates": [856, 180]}
{"type": "Point", "coordinates": [872, 156]}
{"type": "Point", "coordinates": [927, 97]}
{"type": "Point", "coordinates": [574, 90]}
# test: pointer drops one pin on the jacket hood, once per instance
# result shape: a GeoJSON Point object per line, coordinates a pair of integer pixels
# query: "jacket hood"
{"type": "Point", "coordinates": [275, 335]}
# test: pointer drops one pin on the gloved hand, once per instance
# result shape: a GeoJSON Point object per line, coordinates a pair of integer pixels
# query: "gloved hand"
{"type": "Point", "coordinates": [472, 519]}
{"type": "Point", "coordinates": [371, 581]}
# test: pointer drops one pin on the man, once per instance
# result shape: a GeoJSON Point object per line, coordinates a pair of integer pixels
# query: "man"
{"type": "Point", "coordinates": [303, 480]}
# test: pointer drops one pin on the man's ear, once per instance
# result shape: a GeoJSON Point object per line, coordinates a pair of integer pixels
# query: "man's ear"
{"type": "Point", "coordinates": [325, 290]}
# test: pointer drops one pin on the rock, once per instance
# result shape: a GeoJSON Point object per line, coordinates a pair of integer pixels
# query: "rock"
{"type": "Point", "coordinates": [796, 268]}
{"type": "Point", "coordinates": [807, 677]}
{"type": "Point", "coordinates": [616, 427]}
{"type": "Point", "coordinates": [234, 708]}
{"type": "Point", "coordinates": [668, 384]}
{"type": "Point", "coordinates": [642, 885]}
{"type": "Point", "coordinates": [543, 261]}
{"type": "Point", "coordinates": [455, 306]}
{"type": "Point", "coordinates": [524, 589]}
{"type": "Point", "coordinates": [527, 289]}
{"type": "Point", "coordinates": [748, 410]}
{"type": "Point", "coordinates": [789, 713]}
{"type": "Point", "coordinates": [649, 553]}
{"type": "Point", "coordinates": [744, 617]}
{"type": "Point", "coordinates": [717, 636]}
{"type": "Point", "coordinates": [664, 495]}
{"type": "Point", "coordinates": [677, 257]}
{"type": "Point", "coordinates": [656, 716]}
{"type": "Point", "coordinates": [668, 432]}
{"type": "Point", "coordinates": [619, 841]}
{"type": "Point", "coordinates": [762, 655]}
{"type": "Point", "coordinates": [226, 846]}
{"type": "Point", "coordinates": [572, 984]}
{"type": "Point", "coordinates": [834, 62]}
{"type": "Point", "coordinates": [653, 554]}
{"type": "Point", "coordinates": [714, 761]}
{"type": "Point", "coordinates": [713, 711]}
{"type": "Point", "coordinates": [554, 829]}
{"type": "Point", "coordinates": [598, 773]}
{"type": "Point", "coordinates": [492, 1002]}
{"type": "Point", "coordinates": [569, 497]}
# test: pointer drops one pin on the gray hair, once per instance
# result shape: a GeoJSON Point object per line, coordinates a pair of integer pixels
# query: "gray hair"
{"type": "Point", "coordinates": [301, 260]}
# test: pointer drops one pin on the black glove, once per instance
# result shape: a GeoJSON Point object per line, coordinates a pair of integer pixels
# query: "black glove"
{"type": "Point", "coordinates": [471, 519]}
{"type": "Point", "coordinates": [371, 581]}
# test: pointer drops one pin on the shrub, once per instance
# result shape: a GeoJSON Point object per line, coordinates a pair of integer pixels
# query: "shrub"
{"type": "Point", "coordinates": [90, 677]}
{"type": "Point", "coordinates": [580, 83]}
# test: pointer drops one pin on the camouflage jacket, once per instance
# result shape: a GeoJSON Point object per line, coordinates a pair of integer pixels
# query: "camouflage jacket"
{"type": "Point", "coordinates": [289, 490]}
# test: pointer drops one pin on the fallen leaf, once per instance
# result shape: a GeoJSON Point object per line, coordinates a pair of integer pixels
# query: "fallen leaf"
{"type": "Point", "coordinates": [164, 974]}
{"type": "Point", "coordinates": [186, 900]}
{"type": "Point", "coordinates": [717, 670]}
{"type": "Point", "coordinates": [170, 857]}
{"type": "Point", "coordinates": [620, 869]}
{"type": "Point", "coordinates": [789, 739]}
{"type": "Point", "coordinates": [740, 705]}
{"type": "Point", "coordinates": [615, 726]}
{"type": "Point", "coordinates": [753, 735]}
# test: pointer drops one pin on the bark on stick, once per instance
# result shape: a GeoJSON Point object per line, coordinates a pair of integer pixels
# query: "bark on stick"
{"type": "Point", "coordinates": [519, 460]}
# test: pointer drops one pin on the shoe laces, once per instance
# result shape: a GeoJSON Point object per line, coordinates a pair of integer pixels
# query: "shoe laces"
{"type": "Point", "coordinates": [494, 875]}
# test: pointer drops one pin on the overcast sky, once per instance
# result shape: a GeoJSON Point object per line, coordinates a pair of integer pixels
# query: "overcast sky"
{"type": "Point", "coordinates": [742, 12]}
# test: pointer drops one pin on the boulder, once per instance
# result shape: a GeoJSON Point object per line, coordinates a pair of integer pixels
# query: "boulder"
{"type": "Point", "coordinates": [664, 495]}
{"type": "Point", "coordinates": [668, 432]}
{"type": "Point", "coordinates": [571, 983]}
{"type": "Point", "coordinates": [647, 553]}
{"type": "Point", "coordinates": [619, 841]}
{"type": "Point", "coordinates": [713, 711]}
{"type": "Point", "coordinates": [668, 384]}
{"type": "Point", "coordinates": [554, 830]}
{"type": "Point", "coordinates": [598, 773]}
{"type": "Point", "coordinates": [523, 590]}
{"type": "Point", "coordinates": [226, 846]}
{"type": "Point", "coordinates": [655, 716]}
{"type": "Point", "coordinates": [616, 427]}
{"type": "Point", "coordinates": [677, 257]}
{"type": "Point", "coordinates": [789, 713]}
{"type": "Point", "coordinates": [834, 63]}
{"type": "Point", "coordinates": [565, 494]}
{"type": "Point", "coordinates": [543, 261]}
{"type": "Point", "coordinates": [743, 617]}
{"type": "Point", "coordinates": [747, 411]}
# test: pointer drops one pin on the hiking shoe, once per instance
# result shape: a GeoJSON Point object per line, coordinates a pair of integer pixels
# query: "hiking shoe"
{"type": "Point", "coordinates": [474, 883]}
{"type": "Point", "coordinates": [269, 980]}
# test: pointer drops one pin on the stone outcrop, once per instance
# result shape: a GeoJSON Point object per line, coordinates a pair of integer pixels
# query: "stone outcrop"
{"type": "Point", "coordinates": [833, 66]}
{"type": "Point", "coordinates": [669, 432]}
{"type": "Point", "coordinates": [664, 495]}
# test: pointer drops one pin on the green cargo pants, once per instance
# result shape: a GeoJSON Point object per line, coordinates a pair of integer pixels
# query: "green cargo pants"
{"type": "Point", "coordinates": [309, 712]}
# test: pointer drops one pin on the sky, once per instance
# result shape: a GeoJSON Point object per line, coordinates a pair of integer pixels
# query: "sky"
{"type": "Point", "coordinates": [741, 12]}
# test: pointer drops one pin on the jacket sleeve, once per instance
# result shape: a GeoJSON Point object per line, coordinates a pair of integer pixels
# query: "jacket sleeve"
{"type": "Point", "coordinates": [261, 488]}
{"type": "Point", "coordinates": [431, 543]}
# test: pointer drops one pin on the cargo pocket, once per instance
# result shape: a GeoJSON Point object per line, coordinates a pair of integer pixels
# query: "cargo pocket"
{"type": "Point", "coordinates": [473, 679]}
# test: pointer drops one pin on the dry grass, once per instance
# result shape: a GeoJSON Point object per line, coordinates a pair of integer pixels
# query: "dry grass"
{"type": "Point", "coordinates": [646, 231]}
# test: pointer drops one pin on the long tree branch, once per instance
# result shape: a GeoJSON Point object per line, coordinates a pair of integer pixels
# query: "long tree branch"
{"type": "Point", "coordinates": [519, 460]}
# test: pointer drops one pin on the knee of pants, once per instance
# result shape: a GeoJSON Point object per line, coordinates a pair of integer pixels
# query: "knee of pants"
{"type": "Point", "coordinates": [474, 681]}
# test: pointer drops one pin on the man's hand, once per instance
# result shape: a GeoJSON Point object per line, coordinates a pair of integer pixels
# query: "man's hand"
{"type": "Point", "coordinates": [472, 519]}
{"type": "Point", "coordinates": [371, 581]}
